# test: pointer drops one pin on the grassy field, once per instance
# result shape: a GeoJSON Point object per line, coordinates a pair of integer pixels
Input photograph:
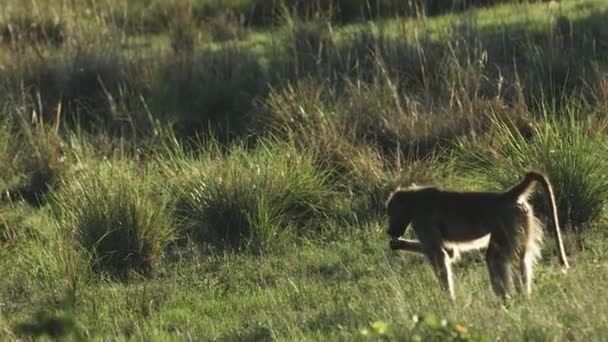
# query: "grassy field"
{"type": "Point", "coordinates": [217, 170]}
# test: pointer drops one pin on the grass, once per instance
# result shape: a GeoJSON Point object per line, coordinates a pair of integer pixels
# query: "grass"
{"type": "Point", "coordinates": [334, 291]}
{"type": "Point", "coordinates": [121, 218]}
{"type": "Point", "coordinates": [250, 200]}
{"type": "Point", "coordinates": [218, 170]}
{"type": "Point", "coordinates": [565, 147]}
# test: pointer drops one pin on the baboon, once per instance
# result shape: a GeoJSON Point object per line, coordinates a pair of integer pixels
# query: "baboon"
{"type": "Point", "coordinates": [447, 222]}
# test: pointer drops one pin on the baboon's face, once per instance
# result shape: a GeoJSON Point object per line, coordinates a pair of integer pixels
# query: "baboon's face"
{"type": "Point", "coordinates": [395, 228]}
{"type": "Point", "coordinates": [398, 217]}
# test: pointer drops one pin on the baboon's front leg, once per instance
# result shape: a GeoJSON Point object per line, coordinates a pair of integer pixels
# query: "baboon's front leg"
{"type": "Point", "coordinates": [412, 246]}
{"type": "Point", "coordinates": [440, 260]}
{"type": "Point", "coordinates": [415, 246]}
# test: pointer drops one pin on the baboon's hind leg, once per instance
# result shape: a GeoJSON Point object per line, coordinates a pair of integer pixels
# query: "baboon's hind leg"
{"type": "Point", "coordinates": [534, 235]}
{"type": "Point", "coordinates": [518, 271]}
{"type": "Point", "coordinates": [527, 272]}
{"type": "Point", "coordinates": [523, 267]}
{"type": "Point", "coordinates": [498, 258]}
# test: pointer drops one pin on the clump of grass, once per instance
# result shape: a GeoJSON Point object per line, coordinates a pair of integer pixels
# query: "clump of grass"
{"type": "Point", "coordinates": [225, 26]}
{"type": "Point", "coordinates": [564, 145]}
{"type": "Point", "coordinates": [301, 111]}
{"type": "Point", "coordinates": [250, 199]}
{"type": "Point", "coordinates": [312, 49]}
{"type": "Point", "coordinates": [46, 324]}
{"type": "Point", "coordinates": [363, 138]}
{"type": "Point", "coordinates": [24, 30]}
{"type": "Point", "coordinates": [370, 56]}
{"type": "Point", "coordinates": [15, 224]}
{"type": "Point", "coordinates": [309, 45]}
{"type": "Point", "coordinates": [118, 214]}
{"type": "Point", "coordinates": [39, 265]}
{"type": "Point", "coordinates": [80, 87]}
{"type": "Point", "coordinates": [6, 151]}
{"type": "Point", "coordinates": [209, 91]}
{"type": "Point", "coordinates": [183, 30]}
{"type": "Point", "coordinates": [34, 159]}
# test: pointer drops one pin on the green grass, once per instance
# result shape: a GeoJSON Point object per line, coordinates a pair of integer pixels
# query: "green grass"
{"type": "Point", "coordinates": [121, 217]}
{"type": "Point", "coordinates": [174, 173]}
{"type": "Point", "coordinates": [565, 146]}
{"type": "Point", "coordinates": [249, 199]}
{"type": "Point", "coordinates": [333, 291]}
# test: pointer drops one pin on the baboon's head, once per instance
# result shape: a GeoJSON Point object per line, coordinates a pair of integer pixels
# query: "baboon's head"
{"type": "Point", "coordinates": [399, 209]}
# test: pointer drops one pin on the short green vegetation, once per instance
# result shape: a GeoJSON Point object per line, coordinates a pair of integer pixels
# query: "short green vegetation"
{"type": "Point", "coordinates": [217, 170]}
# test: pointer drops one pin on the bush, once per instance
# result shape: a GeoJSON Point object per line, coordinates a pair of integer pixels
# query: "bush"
{"type": "Point", "coordinates": [120, 215]}
{"type": "Point", "coordinates": [250, 199]}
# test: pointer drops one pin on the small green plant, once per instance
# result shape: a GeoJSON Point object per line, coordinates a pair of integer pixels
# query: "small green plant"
{"type": "Point", "coordinates": [378, 330]}
{"type": "Point", "coordinates": [429, 327]}
{"type": "Point", "coordinates": [426, 327]}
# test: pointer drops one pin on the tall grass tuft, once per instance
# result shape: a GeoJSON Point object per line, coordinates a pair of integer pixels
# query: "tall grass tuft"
{"type": "Point", "coordinates": [118, 214]}
{"type": "Point", "coordinates": [250, 199]}
{"type": "Point", "coordinates": [567, 146]}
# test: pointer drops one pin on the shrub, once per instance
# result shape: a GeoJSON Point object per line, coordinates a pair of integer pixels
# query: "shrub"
{"type": "Point", "coordinates": [250, 199]}
{"type": "Point", "coordinates": [120, 215]}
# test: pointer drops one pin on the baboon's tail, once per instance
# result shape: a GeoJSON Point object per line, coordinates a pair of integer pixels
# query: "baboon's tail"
{"type": "Point", "coordinates": [525, 188]}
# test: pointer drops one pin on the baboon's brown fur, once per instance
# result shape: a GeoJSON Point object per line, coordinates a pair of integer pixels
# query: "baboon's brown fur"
{"type": "Point", "coordinates": [446, 222]}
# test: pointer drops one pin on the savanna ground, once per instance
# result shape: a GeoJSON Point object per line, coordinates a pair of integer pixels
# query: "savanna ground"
{"type": "Point", "coordinates": [217, 170]}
